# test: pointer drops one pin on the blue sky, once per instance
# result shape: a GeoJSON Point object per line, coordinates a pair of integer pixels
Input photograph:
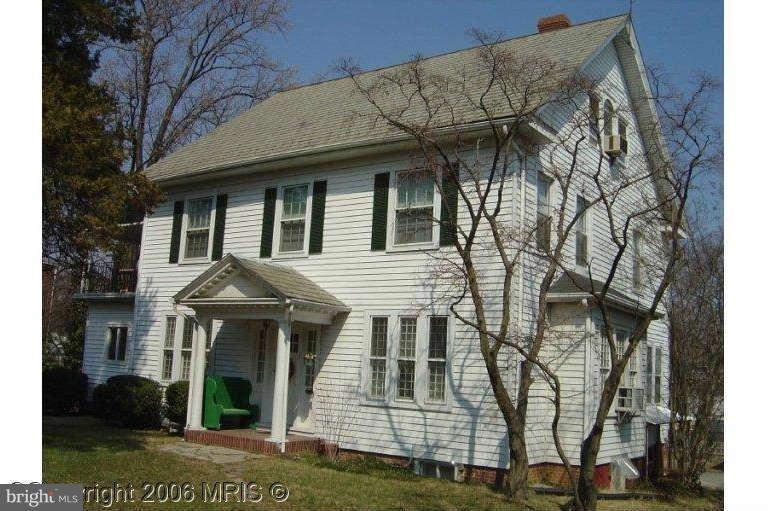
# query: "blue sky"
{"type": "Point", "coordinates": [683, 36]}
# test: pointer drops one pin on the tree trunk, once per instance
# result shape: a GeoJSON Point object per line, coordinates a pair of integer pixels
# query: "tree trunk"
{"type": "Point", "coordinates": [516, 483]}
{"type": "Point", "coordinates": [586, 500]}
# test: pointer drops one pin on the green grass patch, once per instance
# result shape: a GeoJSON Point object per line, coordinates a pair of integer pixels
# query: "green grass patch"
{"type": "Point", "coordinates": [84, 450]}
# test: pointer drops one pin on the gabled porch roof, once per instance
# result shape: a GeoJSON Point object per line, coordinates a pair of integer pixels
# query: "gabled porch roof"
{"type": "Point", "coordinates": [237, 284]}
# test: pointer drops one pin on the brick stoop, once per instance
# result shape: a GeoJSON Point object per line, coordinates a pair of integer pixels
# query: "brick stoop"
{"type": "Point", "coordinates": [251, 441]}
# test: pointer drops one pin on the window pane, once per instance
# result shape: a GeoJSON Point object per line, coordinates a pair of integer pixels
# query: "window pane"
{"type": "Point", "coordinates": [378, 375]}
{"type": "Point", "coordinates": [294, 202]}
{"type": "Point", "coordinates": [605, 351]}
{"type": "Point", "coordinates": [379, 337]}
{"type": "Point", "coordinates": [167, 364]}
{"type": "Point", "coordinates": [292, 235]}
{"type": "Point", "coordinates": [414, 189]}
{"type": "Point", "coordinates": [413, 225]}
{"type": "Point", "coordinates": [649, 372]}
{"type": "Point", "coordinates": [261, 356]}
{"type": "Point", "coordinates": [197, 244]}
{"type": "Point", "coordinates": [436, 381]}
{"type": "Point", "coordinates": [407, 347]}
{"type": "Point", "coordinates": [189, 328]}
{"type": "Point", "coordinates": [186, 361]}
{"type": "Point", "coordinates": [294, 343]}
{"type": "Point", "coordinates": [405, 377]}
{"type": "Point", "coordinates": [122, 342]}
{"type": "Point", "coordinates": [543, 231]}
{"type": "Point", "coordinates": [625, 398]}
{"type": "Point", "coordinates": [438, 337]}
{"type": "Point", "coordinates": [112, 350]}
{"type": "Point", "coordinates": [199, 215]}
{"type": "Point", "coordinates": [170, 331]}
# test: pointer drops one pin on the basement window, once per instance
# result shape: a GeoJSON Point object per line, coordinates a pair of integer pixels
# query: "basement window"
{"type": "Point", "coordinates": [437, 469]}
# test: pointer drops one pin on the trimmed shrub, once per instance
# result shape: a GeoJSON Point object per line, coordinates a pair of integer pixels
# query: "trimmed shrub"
{"type": "Point", "coordinates": [176, 402]}
{"type": "Point", "coordinates": [64, 390]}
{"type": "Point", "coordinates": [130, 401]}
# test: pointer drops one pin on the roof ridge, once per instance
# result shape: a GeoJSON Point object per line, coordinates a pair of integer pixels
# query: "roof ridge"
{"type": "Point", "coordinates": [437, 55]}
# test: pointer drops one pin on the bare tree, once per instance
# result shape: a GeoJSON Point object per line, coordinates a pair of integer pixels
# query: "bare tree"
{"type": "Point", "coordinates": [478, 127]}
{"type": "Point", "coordinates": [193, 65]}
{"type": "Point", "coordinates": [695, 306]}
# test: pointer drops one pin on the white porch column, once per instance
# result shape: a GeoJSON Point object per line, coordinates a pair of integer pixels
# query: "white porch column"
{"type": "Point", "coordinates": [280, 398]}
{"type": "Point", "coordinates": [197, 376]}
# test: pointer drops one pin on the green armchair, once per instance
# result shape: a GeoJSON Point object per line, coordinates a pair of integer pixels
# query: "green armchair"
{"type": "Point", "coordinates": [228, 397]}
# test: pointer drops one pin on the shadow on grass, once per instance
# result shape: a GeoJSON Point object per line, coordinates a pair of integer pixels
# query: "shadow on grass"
{"type": "Point", "coordinates": [84, 434]}
{"type": "Point", "coordinates": [368, 465]}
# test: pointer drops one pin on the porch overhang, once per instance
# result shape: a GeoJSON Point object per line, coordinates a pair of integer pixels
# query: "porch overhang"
{"type": "Point", "coordinates": [239, 288]}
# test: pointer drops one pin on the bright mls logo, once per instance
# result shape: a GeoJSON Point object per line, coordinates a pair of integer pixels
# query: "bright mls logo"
{"type": "Point", "coordinates": [66, 497]}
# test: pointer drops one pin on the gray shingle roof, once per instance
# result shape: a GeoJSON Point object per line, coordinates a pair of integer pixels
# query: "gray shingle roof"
{"type": "Point", "coordinates": [574, 284]}
{"type": "Point", "coordinates": [331, 113]}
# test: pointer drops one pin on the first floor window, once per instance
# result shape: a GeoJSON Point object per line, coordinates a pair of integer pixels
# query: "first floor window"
{"type": "Point", "coordinates": [437, 352]}
{"type": "Point", "coordinates": [414, 207]}
{"type": "Point", "coordinates": [378, 357]}
{"type": "Point", "coordinates": [406, 358]}
{"type": "Point", "coordinates": [118, 339]}
{"type": "Point", "coordinates": [294, 342]}
{"type": "Point", "coordinates": [186, 348]}
{"type": "Point", "coordinates": [170, 336]}
{"type": "Point", "coordinates": [198, 227]}
{"type": "Point", "coordinates": [657, 377]}
{"type": "Point", "coordinates": [293, 218]}
{"type": "Point", "coordinates": [261, 355]}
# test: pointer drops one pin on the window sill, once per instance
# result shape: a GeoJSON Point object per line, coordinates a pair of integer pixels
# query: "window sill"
{"type": "Point", "coordinates": [414, 247]}
{"type": "Point", "coordinates": [195, 261]}
{"type": "Point", "coordinates": [282, 256]}
{"type": "Point", "coordinates": [116, 362]}
{"type": "Point", "coordinates": [407, 405]}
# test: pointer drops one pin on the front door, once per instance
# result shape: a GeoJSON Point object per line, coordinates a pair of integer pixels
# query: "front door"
{"type": "Point", "coordinates": [304, 343]}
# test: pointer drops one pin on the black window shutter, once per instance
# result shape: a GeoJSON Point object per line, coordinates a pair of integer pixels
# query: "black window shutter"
{"type": "Point", "coordinates": [268, 222]}
{"type": "Point", "coordinates": [318, 217]}
{"type": "Point", "coordinates": [178, 215]}
{"type": "Point", "coordinates": [380, 204]}
{"type": "Point", "coordinates": [218, 229]}
{"type": "Point", "coordinates": [112, 352]}
{"type": "Point", "coordinates": [450, 188]}
{"type": "Point", "coordinates": [123, 337]}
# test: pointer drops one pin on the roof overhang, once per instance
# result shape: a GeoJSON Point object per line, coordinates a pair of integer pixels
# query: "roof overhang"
{"type": "Point", "coordinates": [104, 297]}
{"type": "Point", "coordinates": [629, 306]}
{"type": "Point", "coordinates": [235, 289]}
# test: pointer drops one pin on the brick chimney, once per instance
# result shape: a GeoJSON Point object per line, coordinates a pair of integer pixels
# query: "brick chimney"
{"type": "Point", "coordinates": [553, 22]}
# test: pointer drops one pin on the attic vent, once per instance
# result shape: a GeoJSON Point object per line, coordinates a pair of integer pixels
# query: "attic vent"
{"type": "Point", "coordinates": [553, 22]}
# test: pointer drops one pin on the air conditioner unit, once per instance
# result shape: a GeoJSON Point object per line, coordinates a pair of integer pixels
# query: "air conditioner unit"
{"type": "Point", "coordinates": [612, 145]}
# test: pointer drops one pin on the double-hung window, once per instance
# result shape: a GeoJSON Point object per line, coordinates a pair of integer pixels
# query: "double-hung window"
{"type": "Point", "coordinates": [293, 218]}
{"type": "Point", "coordinates": [406, 358]}
{"type": "Point", "coordinates": [168, 345]}
{"type": "Point", "coordinates": [637, 276]}
{"type": "Point", "coordinates": [413, 370]}
{"type": "Point", "coordinates": [414, 208]}
{"type": "Point", "coordinates": [198, 231]}
{"type": "Point", "coordinates": [657, 377]}
{"type": "Point", "coordinates": [580, 229]}
{"type": "Point", "coordinates": [186, 348]}
{"type": "Point", "coordinates": [117, 343]}
{"type": "Point", "coordinates": [436, 358]}
{"type": "Point", "coordinates": [594, 116]}
{"type": "Point", "coordinates": [543, 213]}
{"type": "Point", "coordinates": [378, 357]}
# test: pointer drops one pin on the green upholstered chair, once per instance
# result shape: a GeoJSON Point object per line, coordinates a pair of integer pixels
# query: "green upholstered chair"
{"type": "Point", "coordinates": [228, 397]}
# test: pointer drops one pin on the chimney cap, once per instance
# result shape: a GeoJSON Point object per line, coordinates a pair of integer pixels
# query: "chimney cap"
{"type": "Point", "coordinates": [553, 22]}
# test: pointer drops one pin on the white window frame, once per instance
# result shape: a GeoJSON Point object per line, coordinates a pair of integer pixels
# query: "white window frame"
{"type": "Point", "coordinates": [544, 179]}
{"type": "Point", "coordinates": [171, 348]}
{"type": "Point", "coordinates": [182, 350]}
{"type": "Point", "coordinates": [421, 391]}
{"type": "Point", "coordinates": [637, 260]}
{"type": "Point", "coordinates": [405, 358]}
{"type": "Point", "coordinates": [587, 234]}
{"type": "Point", "coordinates": [211, 227]}
{"type": "Point", "coordinates": [276, 229]}
{"type": "Point", "coordinates": [391, 215]}
{"type": "Point", "coordinates": [109, 327]}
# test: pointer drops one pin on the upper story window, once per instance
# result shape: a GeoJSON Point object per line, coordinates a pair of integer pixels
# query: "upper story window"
{"type": "Point", "coordinates": [637, 275]}
{"type": "Point", "coordinates": [543, 212]}
{"type": "Point", "coordinates": [608, 115]}
{"type": "Point", "coordinates": [580, 229]}
{"type": "Point", "coordinates": [623, 136]}
{"type": "Point", "coordinates": [198, 231]}
{"type": "Point", "coordinates": [293, 219]}
{"type": "Point", "coordinates": [117, 337]}
{"type": "Point", "coordinates": [414, 208]}
{"type": "Point", "coordinates": [594, 117]}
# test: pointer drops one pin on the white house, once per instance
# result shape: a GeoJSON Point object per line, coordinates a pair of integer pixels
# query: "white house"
{"type": "Point", "coordinates": [279, 257]}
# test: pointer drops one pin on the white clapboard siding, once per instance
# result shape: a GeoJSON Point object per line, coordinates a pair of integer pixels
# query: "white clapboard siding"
{"type": "Point", "coordinates": [471, 429]}
{"type": "Point", "coordinates": [101, 316]}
